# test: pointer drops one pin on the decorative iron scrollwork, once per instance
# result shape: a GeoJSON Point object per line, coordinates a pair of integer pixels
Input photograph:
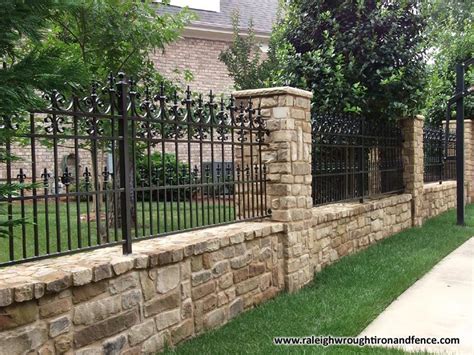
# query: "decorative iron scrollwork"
{"type": "Point", "coordinates": [66, 177]}
{"type": "Point", "coordinates": [53, 124]}
{"type": "Point", "coordinates": [8, 122]}
{"type": "Point", "coordinates": [21, 176]}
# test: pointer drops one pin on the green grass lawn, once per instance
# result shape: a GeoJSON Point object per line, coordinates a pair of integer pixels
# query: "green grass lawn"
{"type": "Point", "coordinates": [148, 224]}
{"type": "Point", "coordinates": [343, 299]}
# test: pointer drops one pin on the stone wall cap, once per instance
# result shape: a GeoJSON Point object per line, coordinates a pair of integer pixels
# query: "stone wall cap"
{"type": "Point", "coordinates": [57, 274]}
{"type": "Point", "coordinates": [281, 90]}
{"type": "Point", "coordinates": [334, 211]}
{"type": "Point", "coordinates": [453, 120]}
{"type": "Point", "coordinates": [436, 186]}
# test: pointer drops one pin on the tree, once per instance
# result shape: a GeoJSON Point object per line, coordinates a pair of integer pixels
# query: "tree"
{"type": "Point", "coordinates": [27, 65]}
{"type": "Point", "coordinates": [114, 35]}
{"type": "Point", "coordinates": [48, 44]}
{"type": "Point", "coordinates": [25, 69]}
{"type": "Point", "coordinates": [111, 36]}
{"type": "Point", "coordinates": [361, 56]}
{"type": "Point", "coordinates": [450, 35]}
{"type": "Point", "coordinates": [64, 44]}
{"type": "Point", "coordinates": [243, 58]}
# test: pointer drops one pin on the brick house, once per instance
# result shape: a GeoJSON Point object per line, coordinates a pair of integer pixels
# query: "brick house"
{"type": "Point", "coordinates": [198, 51]}
{"type": "Point", "coordinates": [203, 40]}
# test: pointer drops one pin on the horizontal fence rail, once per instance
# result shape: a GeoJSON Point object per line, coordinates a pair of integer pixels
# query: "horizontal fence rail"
{"type": "Point", "coordinates": [354, 158]}
{"type": "Point", "coordinates": [128, 165]}
{"type": "Point", "coordinates": [439, 151]}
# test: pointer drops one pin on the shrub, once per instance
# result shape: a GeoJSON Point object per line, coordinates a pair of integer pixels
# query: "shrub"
{"type": "Point", "coordinates": [356, 56]}
{"type": "Point", "coordinates": [244, 59]}
{"type": "Point", "coordinates": [81, 188]}
{"type": "Point", "coordinates": [164, 170]}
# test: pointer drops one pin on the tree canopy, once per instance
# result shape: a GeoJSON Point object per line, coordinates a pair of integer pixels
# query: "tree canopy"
{"type": "Point", "coordinates": [66, 44]}
{"type": "Point", "coordinates": [243, 58]}
{"type": "Point", "coordinates": [356, 56]}
{"type": "Point", "coordinates": [58, 43]}
{"type": "Point", "coordinates": [27, 64]}
{"type": "Point", "coordinates": [384, 59]}
{"type": "Point", "coordinates": [450, 36]}
{"type": "Point", "coordinates": [114, 35]}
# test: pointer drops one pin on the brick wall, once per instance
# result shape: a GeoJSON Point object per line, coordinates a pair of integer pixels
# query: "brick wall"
{"type": "Point", "coordinates": [44, 159]}
{"type": "Point", "coordinates": [201, 57]}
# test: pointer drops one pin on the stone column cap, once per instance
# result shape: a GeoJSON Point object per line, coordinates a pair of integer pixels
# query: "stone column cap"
{"type": "Point", "coordinates": [453, 120]}
{"type": "Point", "coordinates": [281, 90]}
{"type": "Point", "coordinates": [415, 117]}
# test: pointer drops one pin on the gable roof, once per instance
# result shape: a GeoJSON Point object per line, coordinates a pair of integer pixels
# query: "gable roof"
{"type": "Point", "coordinates": [263, 13]}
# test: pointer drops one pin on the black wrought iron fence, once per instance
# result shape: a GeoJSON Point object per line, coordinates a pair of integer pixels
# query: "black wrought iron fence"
{"type": "Point", "coordinates": [439, 150]}
{"type": "Point", "coordinates": [354, 158]}
{"type": "Point", "coordinates": [138, 165]}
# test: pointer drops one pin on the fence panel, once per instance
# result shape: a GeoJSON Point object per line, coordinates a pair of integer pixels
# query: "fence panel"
{"type": "Point", "coordinates": [126, 164]}
{"type": "Point", "coordinates": [439, 152]}
{"type": "Point", "coordinates": [353, 158]}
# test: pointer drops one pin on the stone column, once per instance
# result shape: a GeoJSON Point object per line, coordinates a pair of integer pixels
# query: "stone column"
{"type": "Point", "coordinates": [288, 160]}
{"type": "Point", "coordinates": [413, 167]}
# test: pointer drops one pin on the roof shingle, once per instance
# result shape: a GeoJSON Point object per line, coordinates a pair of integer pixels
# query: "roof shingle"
{"type": "Point", "coordinates": [262, 12]}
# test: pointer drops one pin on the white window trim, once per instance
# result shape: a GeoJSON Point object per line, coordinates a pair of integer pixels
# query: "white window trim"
{"type": "Point", "coordinates": [206, 5]}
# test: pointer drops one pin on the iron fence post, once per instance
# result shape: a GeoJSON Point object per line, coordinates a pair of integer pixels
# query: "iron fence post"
{"type": "Point", "coordinates": [442, 165]}
{"type": "Point", "coordinates": [362, 157]}
{"type": "Point", "coordinates": [125, 203]}
{"type": "Point", "coordinates": [460, 143]}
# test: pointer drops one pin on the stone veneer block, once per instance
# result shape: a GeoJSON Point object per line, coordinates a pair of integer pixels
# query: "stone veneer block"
{"type": "Point", "coordinates": [438, 198]}
{"type": "Point", "coordinates": [179, 295]}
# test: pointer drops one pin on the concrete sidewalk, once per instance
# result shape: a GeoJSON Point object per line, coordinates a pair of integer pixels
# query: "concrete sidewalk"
{"type": "Point", "coordinates": [440, 304]}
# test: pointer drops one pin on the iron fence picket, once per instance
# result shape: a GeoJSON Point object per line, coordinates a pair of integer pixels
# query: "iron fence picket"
{"type": "Point", "coordinates": [95, 202]}
{"type": "Point", "coordinates": [439, 151]}
{"type": "Point", "coordinates": [354, 158]}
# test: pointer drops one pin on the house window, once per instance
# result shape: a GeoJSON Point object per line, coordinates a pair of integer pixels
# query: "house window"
{"type": "Point", "coordinates": [207, 5]}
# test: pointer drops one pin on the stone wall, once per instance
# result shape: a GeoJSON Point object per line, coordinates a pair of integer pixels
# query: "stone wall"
{"type": "Point", "coordinates": [438, 198]}
{"type": "Point", "coordinates": [469, 158]}
{"type": "Point", "coordinates": [287, 112]}
{"type": "Point", "coordinates": [345, 228]}
{"type": "Point", "coordinates": [413, 164]}
{"type": "Point", "coordinates": [170, 289]}
{"type": "Point", "coordinates": [177, 287]}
